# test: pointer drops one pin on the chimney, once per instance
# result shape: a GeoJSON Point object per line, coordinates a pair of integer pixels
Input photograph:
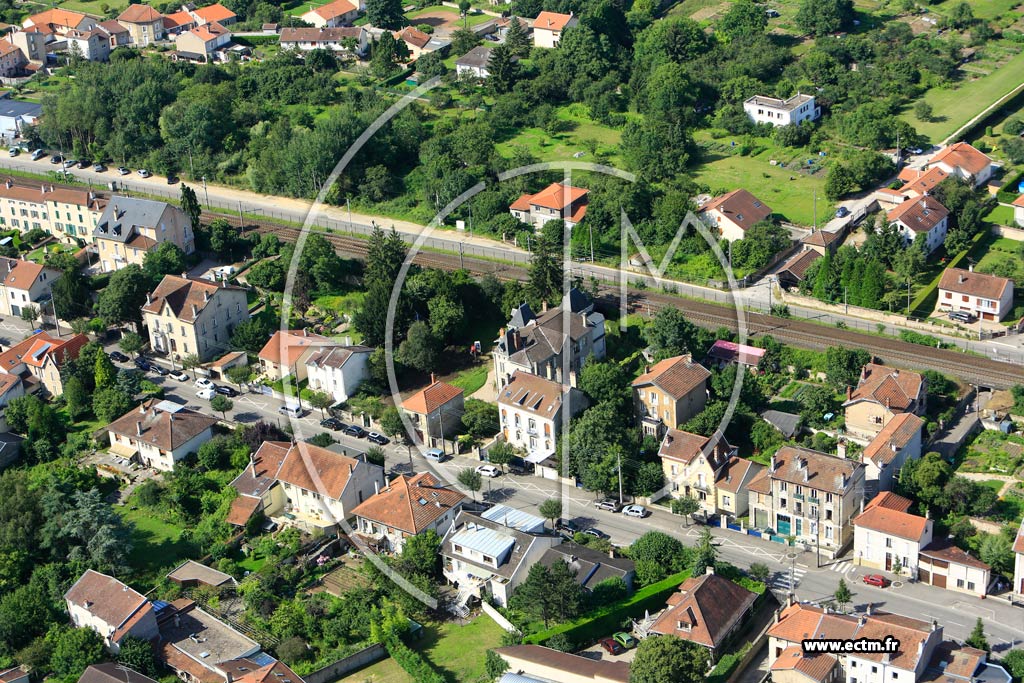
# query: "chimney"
{"type": "Point", "coordinates": [806, 475]}
{"type": "Point", "coordinates": [960, 278]}
{"type": "Point", "coordinates": [920, 648]}
{"type": "Point", "coordinates": [149, 298]}
{"type": "Point", "coordinates": [350, 468]}
{"type": "Point", "coordinates": [868, 609]}
{"type": "Point", "coordinates": [970, 267]}
{"type": "Point", "coordinates": [935, 625]}
{"type": "Point", "coordinates": [228, 678]}
{"type": "Point", "coordinates": [8, 183]}
{"type": "Point", "coordinates": [777, 612]}
{"type": "Point", "coordinates": [841, 448]}
{"type": "Point", "coordinates": [849, 392]}
{"type": "Point", "coordinates": [142, 409]}
{"type": "Point", "coordinates": [895, 448]}
{"type": "Point", "coordinates": [184, 275]}
{"type": "Point", "coordinates": [206, 295]}
{"type": "Point", "coordinates": [305, 331]}
{"type": "Point", "coordinates": [433, 378]}
{"type": "Point", "coordinates": [772, 465]}
{"type": "Point", "coordinates": [138, 429]}
{"type": "Point", "coordinates": [544, 306]}
{"type": "Point", "coordinates": [861, 620]}
{"type": "Point", "coordinates": [611, 553]}
{"type": "Point", "coordinates": [709, 570]}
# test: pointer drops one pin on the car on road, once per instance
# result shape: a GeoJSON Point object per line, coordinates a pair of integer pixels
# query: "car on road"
{"type": "Point", "coordinates": [117, 357]}
{"type": "Point", "coordinates": [14, 151]}
{"type": "Point", "coordinates": [876, 580]}
{"type": "Point", "coordinates": [333, 423]}
{"type": "Point", "coordinates": [625, 640]}
{"type": "Point", "coordinates": [378, 439]}
{"type": "Point", "coordinates": [38, 154]}
{"type": "Point", "coordinates": [638, 511]}
{"type": "Point", "coordinates": [143, 364]}
{"type": "Point", "coordinates": [143, 173]}
{"type": "Point", "coordinates": [204, 383]}
{"type": "Point", "coordinates": [226, 391]}
{"type": "Point", "coordinates": [488, 471]}
{"type": "Point", "coordinates": [842, 212]}
{"type": "Point", "coordinates": [356, 431]}
{"type": "Point", "coordinates": [121, 170]}
{"type": "Point", "coordinates": [595, 532]}
{"type": "Point", "coordinates": [291, 411]}
{"type": "Point", "coordinates": [434, 455]}
{"type": "Point", "coordinates": [612, 646]}
{"type": "Point", "coordinates": [179, 375]}
{"type": "Point", "coordinates": [99, 168]}
{"type": "Point", "coordinates": [609, 504]}
{"type": "Point", "coordinates": [567, 527]}
{"type": "Point", "coordinates": [206, 393]}
{"type": "Point", "coordinates": [56, 159]}
{"type": "Point", "coordinates": [159, 369]}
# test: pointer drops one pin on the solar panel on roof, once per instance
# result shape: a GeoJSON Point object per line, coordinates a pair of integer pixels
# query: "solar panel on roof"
{"type": "Point", "coordinates": [169, 406]}
{"type": "Point", "coordinates": [41, 351]}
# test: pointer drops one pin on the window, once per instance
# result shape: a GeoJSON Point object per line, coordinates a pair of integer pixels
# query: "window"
{"type": "Point", "coordinates": [888, 541]}
{"type": "Point", "coordinates": [959, 583]}
{"type": "Point", "coordinates": [726, 501]}
{"type": "Point", "coordinates": [874, 669]}
{"type": "Point", "coordinates": [828, 497]}
{"type": "Point", "coordinates": [782, 486]}
{"type": "Point", "coordinates": [895, 676]}
{"type": "Point", "coordinates": [970, 585]}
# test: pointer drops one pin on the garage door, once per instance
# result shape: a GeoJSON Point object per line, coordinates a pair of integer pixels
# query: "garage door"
{"type": "Point", "coordinates": [939, 580]}
{"type": "Point", "coordinates": [922, 576]}
{"type": "Point", "coordinates": [988, 316]}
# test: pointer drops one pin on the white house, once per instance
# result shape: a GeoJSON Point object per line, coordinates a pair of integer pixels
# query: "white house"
{"type": "Point", "coordinates": [735, 213]}
{"type": "Point", "coordinates": [988, 297]}
{"type": "Point", "coordinates": [898, 442]}
{"type": "Point", "coordinates": [548, 28]}
{"type": "Point", "coordinates": [530, 410]}
{"type": "Point", "coordinates": [350, 39]}
{"type": "Point", "coordinates": [556, 201]}
{"type": "Point", "coordinates": [24, 284]}
{"type": "Point", "coordinates": [110, 608]}
{"type": "Point", "coordinates": [407, 506]}
{"type": "Point", "coordinates": [16, 117]}
{"type": "Point", "coordinates": [338, 371]}
{"type": "Point", "coordinates": [886, 532]}
{"type": "Point", "coordinates": [484, 557]}
{"type": "Point", "coordinates": [922, 216]}
{"type": "Point", "coordinates": [159, 434]}
{"type": "Point", "coordinates": [965, 162]}
{"type": "Point", "coordinates": [1018, 562]}
{"type": "Point", "coordinates": [474, 63]}
{"type": "Point", "coordinates": [944, 565]}
{"type": "Point", "coordinates": [792, 110]}
{"type": "Point", "coordinates": [1018, 211]}
{"type": "Point", "coordinates": [93, 45]}
{"type": "Point", "coordinates": [331, 15]}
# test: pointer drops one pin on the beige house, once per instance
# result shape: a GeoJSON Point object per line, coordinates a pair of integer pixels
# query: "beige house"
{"type": "Point", "coordinates": [924, 216]}
{"type": "Point", "coordinates": [669, 393]}
{"type": "Point", "coordinates": [731, 486]}
{"type": "Point", "coordinates": [203, 40]}
{"type": "Point", "coordinates": [131, 227]}
{"type": "Point", "coordinates": [531, 411]}
{"type": "Point", "coordinates": [12, 59]}
{"type": "Point", "coordinates": [548, 28]}
{"type": "Point", "coordinates": [557, 201]}
{"type": "Point", "coordinates": [351, 40]}
{"type": "Point", "coordinates": [286, 353]}
{"type": "Point", "coordinates": [159, 434]}
{"type": "Point", "coordinates": [407, 506]}
{"type": "Point", "coordinates": [112, 609]}
{"type": "Point", "coordinates": [191, 316]}
{"type": "Point", "coordinates": [886, 532]}
{"type": "Point", "coordinates": [32, 43]}
{"type": "Point", "coordinates": [988, 297]}
{"type": "Point", "coordinates": [691, 464]}
{"type": "Point", "coordinates": [965, 162]}
{"type": "Point", "coordinates": [58, 21]}
{"type": "Point", "coordinates": [793, 665]}
{"type": "Point", "coordinates": [881, 394]}
{"type": "Point", "coordinates": [435, 412]}
{"type": "Point", "coordinates": [69, 215]}
{"type": "Point", "coordinates": [944, 565]}
{"type": "Point", "coordinates": [38, 360]}
{"type": "Point", "coordinates": [145, 25]}
{"type": "Point", "coordinates": [810, 496]}
{"type": "Point", "coordinates": [899, 441]}
{"type": "Point", "coordinates": [24, 284]}
{"type": "Point", "coordinates": [734, 213]}
{"type": "Point", "coordinates": [331, 15]}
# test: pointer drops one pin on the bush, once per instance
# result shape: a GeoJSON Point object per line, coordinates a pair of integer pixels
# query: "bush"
{"type": "Point", "coordinates": [412, 662]}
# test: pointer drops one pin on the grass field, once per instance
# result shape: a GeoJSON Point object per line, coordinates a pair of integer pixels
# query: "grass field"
{"type": "Point", "coordinates": [983, 9]}
{"type": "Point", "coordinates": [384, 671]}
{"type": "Point", "coordinates": [955, 106]}
{"type": "Point", "coordinates": [440, 16]}
{"type": "Point", "coordinates": [562, 146]}
{"type": "Point", "coordinates": [156, 544]}
{"type": "Point", "coordinates": [471, 379]}
{"type": "Point", "coordinates": [92, 7]}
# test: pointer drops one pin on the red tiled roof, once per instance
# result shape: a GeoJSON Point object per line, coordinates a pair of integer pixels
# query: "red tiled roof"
{"type": "Point", "coordinates": [893, 437]}
{"type": "Point", "coordinates": [181, 18]}
{"type": "Point", "coordinates": [242, 510]}
{"type": "Point", "coordinates": [290, 344]}
{"type": "Point", "coordinates": [410, 504]}
{"type": "Point", "coordinates": [536, 394]}
{"type": "Point", "coordinates": [106, 598]}
{"type": "Point", "coordinates": [685, 446]}
{"type": "Point", "coordinates": [740, 207]}
{"type": "Point", "coordinates": [556, 197]}
{"type": "Point", "coordinates": [413, 36]}
{"type": "Point", "coordinates": [817, 667]}
{"type": "Point", "coordinates": [208, 32]}
{"type": "Point", "coordinates": [676, 376]}
{"type": "Point", "coordinates": [920, 215]}
{"type": "Point", "coordinates": [890, 501]}
{"type": "Point", "coordinates": [23, 274]}
{"type": "Point", "coordinates": [974, 284]}
{"type": "Point", "coordinates": [1019, 201]}
{"type": "Point", "coordinates": [139, 14]}
{"type": "Point", "coordinates": [798, 264]}
{"type": "Point", "coordinates": [1018, 542]}
{"type": "Point", "coordinates": [182, 294]}
{"type": "Point", "coordinates": [822, 238]}
{"type": "Point", "coordinates": [215, 13]}
{"type": "Point", "coordinates": [36, 349]}
{"type": "Point", "coordinates": [167, 431]}
{"type": "Point", "coordinates": [317, 469]}
{"type": "Point", "coordinates": [57, 17]}
{"type": "Point", "coordinates": [245, 670]}
{"type": "Point", "coordinates": [964, 156]}
{"type": "Point", "coordinates": [551, 21]}
{"type": "Point", "coordinates": [7, 47]}
{"type": "Point", "coordinates": [333, 10]}
{"type": "Point", "coordinates": [705, 610]}
{"type": "Point", "coordinates": [896, 389]}
{"type": "Point", "coordinates": [945, 550]}
{"type": "Point", "coordinates": [736, 471]}
{"type": "Point", "coordinates": [428, 400]}
{"type": "Point", "coordinates": [892, 523]}
{"type": "Point", "coordinates": [919, 182]}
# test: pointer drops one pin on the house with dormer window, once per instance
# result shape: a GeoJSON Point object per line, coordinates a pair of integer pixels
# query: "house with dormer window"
{"type": "Point", "coordinates": [923, 216]}
{"type": "Point", "coordinates": [407, 506]}
{"type": "Point", "coordinates": [130, 227]}
{"type": "Point", "coordinates": [38, 360]}
{"type": "Point", "coordinates": [530, 410]}
{"type": "Point", "coordinates": [881, 394]}
{"type": "Point", "coordinates": [734, 213]}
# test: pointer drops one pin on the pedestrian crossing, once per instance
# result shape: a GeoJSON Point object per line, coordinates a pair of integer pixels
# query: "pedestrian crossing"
{"type": "Point", "coordinates": [841, 567]}
{"type": "Point", "coordinates": [787, 579]}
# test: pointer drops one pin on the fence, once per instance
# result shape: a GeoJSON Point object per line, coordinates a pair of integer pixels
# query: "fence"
{"type": "Point", "coordinates": [499, 619]}
{"type": "Point", "coordinates": [1016, 234]}
{"type": "Point", "coordinates": [357, 660]}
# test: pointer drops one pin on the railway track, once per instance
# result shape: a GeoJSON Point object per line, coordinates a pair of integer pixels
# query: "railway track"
{"type": "Point", "coordinates": [803, 334]}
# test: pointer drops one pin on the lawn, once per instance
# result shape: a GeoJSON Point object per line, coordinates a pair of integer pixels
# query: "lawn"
{"type": "Point", "coordinates": [458, 650]}
{"type": "Point", "coordinates": [384, 671]}
{"type": "Point", "coordinates": [439, 16]}
{"type": "Point", "coordinates": [562, 146]}
{"type": "Point", "coordinates": [788, 191]}
{"type": "Point", "coordinates": [156, 544]}
{"type": "Point", "coordinates": [471, 379]}
{"type": "Point", "coordinates": [93, 8]}
{"type": "Point", "coordinates": [983, 9]}
{"type": "Point", "coordinates": [954, 106]}
{"type": "Point", "coordinates": [1000, 215]}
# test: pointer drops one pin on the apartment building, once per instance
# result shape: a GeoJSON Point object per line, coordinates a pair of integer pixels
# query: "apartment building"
{"type": "Point", "coordinates": [69, 215]}
{"type": "Point", "coordinates": [190, 316]}
{"type": "Point", "coordinates": [131, 227]}
{"type": "Point", "coordinates": [531, 411]}
{"type": "Point", "coordinates": [38, 360]}
{"type": "Point", "coordinates": [810, 496]}
{"type": "Point", "coordinates": [782, 112]}
{"type": "Point", "coordinates": [537, 344]}
{"type": "Point", "coordinates": [988, 297]}
{"type": "Point", "coordinates": [669, 393]}
{"type": "Point", "coordinates": [881, 394]}
{"type": "Point", "coordinates": [691, 464]}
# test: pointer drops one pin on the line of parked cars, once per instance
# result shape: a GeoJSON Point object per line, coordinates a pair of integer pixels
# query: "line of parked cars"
{"type": "Point", "coordinates": [336, 425]}
{"type": "Point", "coordinates": [612, 505]}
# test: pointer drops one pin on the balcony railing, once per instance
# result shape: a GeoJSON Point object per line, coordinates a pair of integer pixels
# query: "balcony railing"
{"type": "Point", "coordinates": [798, 496]}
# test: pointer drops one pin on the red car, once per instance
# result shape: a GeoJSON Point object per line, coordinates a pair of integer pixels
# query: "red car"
{"type": "Point", "coordinates": [876, 580]}
{"type": "Point", "coordinates": [612, 646]}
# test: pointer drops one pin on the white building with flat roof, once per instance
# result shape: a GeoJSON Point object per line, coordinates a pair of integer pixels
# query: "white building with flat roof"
{"type": "Point", "coordinates": [778, 112]}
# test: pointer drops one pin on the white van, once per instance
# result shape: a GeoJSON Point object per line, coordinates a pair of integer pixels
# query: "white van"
{"type": "Point", "coordinates": [291, 411]}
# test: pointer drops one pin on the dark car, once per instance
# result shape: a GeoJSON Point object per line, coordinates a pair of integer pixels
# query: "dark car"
{"type": "Point", "coordinates": [596, 533]}
{"type": "Point", "coordinates": [159, 369]}
{"type": "Point", "coordinates": [172, 180]}
{"type": "Point", "coordinates": [226, 391]}
{"type": "Point", "coordinates": [356, 431]}
{"type": "Point", "coordinates": [334, 424]}
{"type": "Point", "coordinates": [143, 364]}
{"type": "Point", "coordinates": [117, 357]}
{"type": "Point", "coordinates": [876, 580]}
{"type": "Point", "coordinates": [378, 439]}
{"type": "Point", "coordinates": [842, 212]}
{"type": "Point", "coordinates": [612, 646]}
{"type": "Point", "coordinates": [56, 159]}
{"type": "Point", "coordinates": [567, 528]}
{"type": "Point", "coordinates": [84, 163]}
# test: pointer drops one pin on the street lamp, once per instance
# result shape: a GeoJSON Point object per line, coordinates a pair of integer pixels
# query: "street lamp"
{"type": "Point", "coordinates": [206, 192]}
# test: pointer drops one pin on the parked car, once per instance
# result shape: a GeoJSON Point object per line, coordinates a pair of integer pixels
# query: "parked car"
{"type": "Point", "coordinates": [595, 532]}
{"type": "Point", "coordinates": [612, 646]}
{"type": "Point", "coordinates": [117, 357]}
{"type": "Point", "coordinates": [69, 163]}
{"type": "Point", "coordinates": [38, 154]}
{"type": "Point", "coordinates": [172, 180]}
{"type": "Point", "coordinates": [226, 391]}
{"type": "Point", "coordinates": [291, 411]}
{"type": "Point", "coordinates": [356, 431]}
{"type": "Point", "coordinates": [962, 317]}
{"type": "Point", "coordinates": [204, 383]}
{"type": "Point", "coordinates": [488, 471]}
{"type": "Point", "coordinates": [843, 212]}
{"type": "Point", "coordinates": [434, 455]}
{"type": "Point", "coordinates": [99, 168]}
{"type": "Point", "coordinates": [121, 170]}
{"type": "Point", "coordinates": [84, 163]}
{"type": "Point", "coordinates": [609, 504]}
{"type": "Point", "coordinates": [56, 159]}
{"type": "Point", "coordinates": [143, 173]}
{"type": "Point", "coordinates": [159, 369]}
{"type": "Point", "coordinates": [515, 468]}
{"type": "Point", "coordinates": [876, 580]}
{"type": "Point", "coordinates": [625, 640]}
{"type": "Point", "coordinates": [143, 364]}
{"type": "Point", "coordinates": [635, 511]}
{"type": "Point", "coordinates": [206, 393]}
{"type": "Point", "coordinates": [378, 439]}
{"type": "Point", "coordinates": [567, 527]}
{"type": "Point", "coordinates": [179, 375]}
{"type": "Point", "coordinates": [333, 423]}
{"type": "Point", "coordinates": [14, 151]}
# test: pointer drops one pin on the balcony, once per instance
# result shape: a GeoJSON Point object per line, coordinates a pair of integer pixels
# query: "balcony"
{"type": "Point", "coordinates": [704, 488]}
{"type": "Point", "coordinates": [798, 496]}
{"type": "Point", "coordinates": [813, 499]}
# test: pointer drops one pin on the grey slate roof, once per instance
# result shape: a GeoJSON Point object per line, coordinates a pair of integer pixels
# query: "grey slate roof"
{"type": "Point", "coordinates": [124, 213]}
{"type": "Point", "coordinates": [787, 423]}
{"type": "Point", "coordinates": [13, 108]}
{"type": "Point", "coordinates": [591, 567]}
{"type": "Point", "coordinates": [479, 56]}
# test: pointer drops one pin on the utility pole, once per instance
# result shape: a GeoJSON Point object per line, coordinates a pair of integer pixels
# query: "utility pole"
{"type": "Point", "coordinates": [908, 298]}
{"type": "Point", "coordinates": [462, 260]}
{"type": "Point", "coordinates": [206, 191]}
{"type": "Point", "coordinates": [191, 165]}
{"type": "Point", "coordinates": [815, 210]}
{"type": "Point", "coordinates": [618, 458]}
{"type": "Point", "coordinates": [590, 227]}
{"type": "Point", "coordinates": [846, 302]}
{"type": "Point", "coordinates": [769, 296]}
{"type": "Point", "coordinates": [241, 218]}
{"type": "Point", "coordinates": [348, 205]}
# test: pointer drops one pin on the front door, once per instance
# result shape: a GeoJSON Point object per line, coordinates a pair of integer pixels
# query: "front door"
{"type": "Point", "coordinates": [799, 527]}
{"type": "Point", "coordinates": [888, 562]}
{"type": "Point", "coordinates": [783, 525]}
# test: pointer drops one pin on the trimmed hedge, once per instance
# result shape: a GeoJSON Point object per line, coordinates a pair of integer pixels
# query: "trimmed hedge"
{"type": "Point", "coordinates": [605, 620]}
{"type": "Point", "coordinates": [726, 666]}
{"type": "Point", "coordinates": [921, 300]}
{"type": "Point", "coordinates": [412, 662]}
{"type": "Point", "coordinates": [1008, 192]}
{"type": "Point", "coordinates": [257, 41]}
